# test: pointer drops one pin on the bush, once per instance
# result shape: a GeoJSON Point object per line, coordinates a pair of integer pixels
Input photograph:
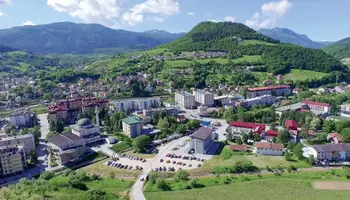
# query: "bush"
{"type": "Point", "coordinates": [181, 175]}
{"type": "Point", "coordinates": [67, 172]}
{"type": "Point", "coordinates": [194, 183]}
{"type": "Point", "coordinates": [76, 184]}
{"type": "Point", "coordinates": [111, 175]}
{"type": "Point", "coordinates": [95, 177]}
{"type": "Point", "coordinates": [162, 185]}
{"type": "Point", "coordinates": [96, 195]}
{"type": "Point", "coordinates": [238, 167]}
{"type": "Point", "coordinates": [347, 173]}
{"type": "Point", "coordinates": [153, 176]}
{"type": "Point", "coordinates": [47, 175]}
{"type": "Point", "coordinates": [268, 168]}
{"type": "Point", "coordinates": [226, 154]}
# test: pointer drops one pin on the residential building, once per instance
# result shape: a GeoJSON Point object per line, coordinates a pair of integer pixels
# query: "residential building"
{"type": "Point", "coordinates": [239, 148]}
{"type": "Point", "coordinates": [345, 110]}
{"type": "Point", "coordinates": [22, 117]}
{"type": "Point", "coordinates": [185, 99]}
{"type": "Point", "coordinates": [245, 127]}
{"type": "Point", "coordinates": [291, 125]}
{"type": "Point", "coordinates": [329, 152]}
{"type": "Point", "coordinates": [269, 135]}
{"type": "Point", "coordinates": [172, 111]}
{"type": "Point", "coordinates": [317, 107]}
{"type": "Point", "coordinates": [181, 119]}
{"type": "Point", "coordinates": [265, 100]}
{"type": "Point", "coordinates": [12, 160]}
{"type": "Point", "coordinates": [227, 100]}
{"type": "Point", "coordinates": [87, 130]}
{"type": "Point", "coordinates": [202, 141]}
{"type": "Point", "coordinates": [278, 90]}
{"type": "Point", "coordinates": [57, 113]}
{"type": "Point", "coordinates": [204, 98]}
{"type": "Point", "coordinates": [135, 104]}
{"type": "Point", "coordinates": [267, 148]}
{"type": "Point", "coordinates": [335, 138]}
{"type": "Point", "coordinates": [67, 147]}
{"type": "Point", "coordinates": [26, 141]}
{"type": "Point", "coordinates": [132, 126]}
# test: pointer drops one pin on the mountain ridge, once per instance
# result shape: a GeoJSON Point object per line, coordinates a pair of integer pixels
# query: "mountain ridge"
{"type": "Point", "coordinates": [339, 49]}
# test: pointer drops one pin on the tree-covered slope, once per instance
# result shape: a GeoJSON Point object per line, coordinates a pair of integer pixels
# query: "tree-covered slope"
{"type": "Point", "coordinates": [288, 36]}
{"type": "Point", "coordinates": [242, 40]}
{"type": "Point", "coordinates": [340, 49]}
{"type": "Point", "coordinates": [163, 36]}
{"type": "Point", "coordinates": [4, 49]}
{"type": "Point", "coordinates": [67, 37]}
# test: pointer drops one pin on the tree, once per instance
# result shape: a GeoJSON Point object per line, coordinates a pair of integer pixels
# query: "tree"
{"type": "Point", "coordinates": [298, 151]}
{"type": "Point", "coordinates": [283, 136]}
{"type": "Point", "coordinates": [141, 142]}
{"type": "Point", "coordinates": [96, 195]}
{"type": "Point", "coordinates": [182, 128]}
{"type": "Point", "coordinates": [47, 175]}
{"type": "Point", "coordinates": [155, 117]}
{"type": "Point", "coordinates": [162, 185]}
{"type": "Point", "coordinates": [346, 135]}
{"type": "Point", "coordinates": [153, 176]}
{"type": "Point", "coordinates": [245, 138]}
{"type": "Point", "coordinates": [257, 138]}
{"type": "Point", "coordinates": [163, 124]}
{"type": "Point", "coordinates": [193, 124]}
{"type": "Point", "coordinates": [33, 157]}
{"type": "Point", "coordinates": [315, 123]}
{"type": "Point", "coordinates": [288, 156]}
{"type": "Point", "coordinates": [37, 134]}
{"type": "Point", "coordinates": [328, 126]}
{"type": "Point", "coordinates": [322, 137]}
{"type": "Point", "coordinates": [239, 141]}
{"type": "Point", "coordinates": [181, 175]}
{"type": "Point", "coordinates": [347, 172]}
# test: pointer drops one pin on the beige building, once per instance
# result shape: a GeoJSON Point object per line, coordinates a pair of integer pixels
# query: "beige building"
{"type": "Point", "coordinates": [87, 130]}
{"type": "Point", "coordinates": [205, 98]}
{"type": "Point", "coordinates": [132, 126]}
{"type": "Point", "coordinates": [185, 99]}
{"type": "Point", "coordinates": [21, 117]}
{"type": "Point", "coordinates": [12, 160]}
{"type": "Point", "coordinates": [26, 141]}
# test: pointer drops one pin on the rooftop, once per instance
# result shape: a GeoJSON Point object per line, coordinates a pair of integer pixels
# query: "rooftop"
{"type": "Point", "coordinates": [131, 120]}
{"type": "Point", "coordinates": [84, 122]}
{"type": "Point", "coordinates": [268, 88]}
{"type": "Point", "coordinates": [290, 107]}
{"type": "Point", "coordinates": [238, 147]}
{"type": "Point", "coordinates": [317, 103]}
{"type": "Point", "coordinates": [16, 137]}
{"type": "Point", "coordinates": [64, 139]}
{"type": "Point", "coordinates": [202, 133]}
{"type": "Point", "coordinates": [256, 127]}
{"type": "Point", "coordinates": [332, 147]}
{"type": "Point", "coordinates": [272, 133]}
{"type": "Point", "coordinates": [20, 111]}
{"type": "Point", "coordinates": [268, 145]}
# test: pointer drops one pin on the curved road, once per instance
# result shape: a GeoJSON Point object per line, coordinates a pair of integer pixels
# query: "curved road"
{"type": "Point", "coordinates": [137, 189]}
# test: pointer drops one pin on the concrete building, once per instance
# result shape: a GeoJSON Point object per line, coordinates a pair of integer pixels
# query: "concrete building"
{"type": "Point", "coordinates": [227, 100]}
{"type": "Point", "coordinates": [278, 90]}
{"type": "Point", "coordinates": [135, 104]}
{"type": "Point", "coordinates": [265, 100]}
{"type": "Point", "coordinates": [67, 147]}
{"type": "Point", "coordinates": [345, 110]}
{"type": "Point", "coordinates": [172, 111]}
{"type": "Point", "coordinates": [204, 98]}
{"type": "Point", "coordinates": [26, 141]}
{"type": "Point", "coordinates": [12, 160]}
{"type": "Point", "coordinates": [22, 117]}
{"type": "Point", "coordinates": [132, 126]}
{"type": "Point", "coordinates": [87, 130]}
{"type": "Point", "coordinates": [238, 128]}
{"type": "Point", "coordinates": [329, 152]}
{"type": "Point", "coordinates": [185, 99]}
{"type": "Point", "coordinates": [316, 108]}
{"type": "Point", "coordinates": [267, 148]}
{"type": "Point", "coordinates": [202, 141]}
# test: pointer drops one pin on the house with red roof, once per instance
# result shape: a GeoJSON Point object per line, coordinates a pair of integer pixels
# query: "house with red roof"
{"type": "Point", "coordinates": [335, 138]}
{"type": "Point", "coordinates": [291, 125]}
{"type": "Point", "coordinates": [317, 107]}
{"type": "Point", "coordinates": [245, 127]}
{"type": "Point", "coordinates": [267, 148]}
{"type": "Point", "coordinates": [278, 90]}
{"type": "Point", "coordinates": [239, 148]}
{"type": "Point", "coordinates": [270, 134]}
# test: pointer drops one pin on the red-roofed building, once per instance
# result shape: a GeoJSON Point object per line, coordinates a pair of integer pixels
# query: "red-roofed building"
{"type": "Point", "coordinates": [291, 125]}
{"type": "Point", "coordinates": [240, 148]}
{"type": "Point", "coordinates": [244, 127]}
{"type": "Point", "coordinates": [335, 138]}
{"type": "Point", "coordinates": [266, 148]}
{"type": "Point", "coordinates": [278, 90]}
{"type": "Point", "coordinates": [317, 106]}
{"type": "Point", "coordinates": [270, 134]}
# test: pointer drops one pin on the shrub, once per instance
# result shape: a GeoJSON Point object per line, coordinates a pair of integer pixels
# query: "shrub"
{"type": "Point", "coordinates": [111, 175]}
{"type": "Point", "coordinates": [95, 177]}
{"type": "Point", "coordinates": [194, 183]}
{"type": "Point", "coordinates": [96, 195]}
{"type": "Point", "coordinates": [181, 175]}
{"type": "Point", "coordinates": [76, 184]}
{"type": "Point", "coordinates": [47, 175]}
{"type": "Point", "coordinates": [153, 176]}
{"type": "Point", "coordinates": [67, 172]}
{"type": "Point", "coordinates": [268, 168]}
{"type": "Point", "coordinates": [347, 173]}
{"type": "Point", "coordinates": [162, 185]}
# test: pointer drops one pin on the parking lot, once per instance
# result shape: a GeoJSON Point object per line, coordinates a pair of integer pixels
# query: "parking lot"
{"type": "Point", "coordinates": [124, 161]}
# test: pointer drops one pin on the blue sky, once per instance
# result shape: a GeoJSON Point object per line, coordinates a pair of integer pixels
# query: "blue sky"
{"type": "Point", "coordinates": [319, 19]}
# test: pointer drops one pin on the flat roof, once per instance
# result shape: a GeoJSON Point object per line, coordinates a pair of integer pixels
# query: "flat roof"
{"type": "Point", "coordinates": [268, 88]}
{"type": "Point", "coordinates": [202, 133]}
{"type": "Point", "coordinates": [290, 107]}
{"type": "Point", "coordinates": [63, 139]}
{"type": "Point", "coordinates": [131, 120]}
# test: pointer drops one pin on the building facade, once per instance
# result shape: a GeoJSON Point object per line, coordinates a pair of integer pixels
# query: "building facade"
{"type": "Point", "coordinates": [26, 141]}
{"type": "Point", "coordinates": [132, 126]}
{"type": "Point", "coordinates": [21, 117]}
{"type": "Point", "coordinates": [136, 104]}
{"type": "Point", "coordinates": [87, 130]}
{"type": "Point", "coordinates": [172, 111]}
{"type": "Point", "coordinates": [245, 127]}
{"type": "Point", "coordinates": [202, 141]}
{"type": "Point", "coordinates": [265, 100]}
{"type": "Point", "coordinates": [323, 108]}
{"type": "Point", "coordinates": [329, 152]}
{"type": "Point", "coordinates": [185, 99]}
{"type": "Point", "coordinates": [278, 90]}
{"type": "Point", "coordinates": [266, 148]}
{"type": "Point", "coordinates": [204, 98]}
{"type": "Point", "coordinates": [12, 160]}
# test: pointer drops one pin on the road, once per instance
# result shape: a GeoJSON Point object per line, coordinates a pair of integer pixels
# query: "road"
{"type": "Point", "coordinates": [137, 189]}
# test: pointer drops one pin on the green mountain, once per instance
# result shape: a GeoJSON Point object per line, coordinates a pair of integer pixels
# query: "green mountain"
{"type": "Point", "coordinates": [162, 35]}
{"type": "Point", "coordinates": [4, 49]}
{"type": "Point", "coordinates": [288, 36]}
{"type": "Point", "coordinates": [72, 38]}
{"type": "Point", "coordinates": [340, 49]}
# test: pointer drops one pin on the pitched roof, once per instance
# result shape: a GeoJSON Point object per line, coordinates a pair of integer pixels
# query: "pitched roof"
{"type": "Point", "coordinates": [291, 124]}
{"type": "Point", "coordinates": [272, 133]}
{"type": "Point", "coordinates": [238, 147]}
{"type": "Point", "coordinates": [247, 125]}
{"type": "Point", "coordinates": [202, 133]}
{"type": "Point", "coordinates": [335, 135]}
{"type": "Point", "coordinates": [317, 103]}
{"type": "Point", "coordinates": [268, 145]}
{"type": "Point", "coordinates": [268, 88]}
{"type": "Point", "coordinates": [332, 147]}
{"type": "Point", "coordinates": [63, 139]}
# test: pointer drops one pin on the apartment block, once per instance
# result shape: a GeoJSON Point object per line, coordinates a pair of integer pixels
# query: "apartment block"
{"type": "Point", "coordinates": [205, 98]}
{"type": "Point", "coordinates": [135, 104]}
{"type": "Point", "coordinates": [185, 99]}
{"type": "Point", "coordinates": [21, 117]}
{"type": "Point", "coordinates": [26, 141]}
{"type": "Point", "coordinates": [278, 90]}
{"type": "Point", "coordinates": [12, 160]}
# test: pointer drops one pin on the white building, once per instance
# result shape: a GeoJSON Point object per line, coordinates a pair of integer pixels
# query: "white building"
{"type": "Point", "coordinates": [134, 104]}
{"type": "Point", "coordinates": [202, 141]}
{"type": "Point", "coordinates": [329, 152]}
{"type": "Point", "coordinates": [185, 99]}
{"type": "Point", "coordinates": [26, 141]}
{"type": "Point", "coordinates": [21, 117]}
{"type": "Point", "coordinates": [260, 100]}
{"type": "Point", "coordinates": [266, 148]}
{"type": "Point", "coordinates": [87, 130]}
{"type": "Point", "coordinates": [12, 160]}
{"type": "Point", "coordinates": [278, 90]}
{"type": "Point", "coordinates": [205, 98]}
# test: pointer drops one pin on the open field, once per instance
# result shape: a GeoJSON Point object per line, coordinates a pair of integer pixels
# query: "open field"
{"type": "Point", "coordinates": [139, 155]}
{"type": "Point", "coordinates": [267, 186]}
{"type": "Point", "coordinates": [40, 109]}
{"type": "Point", "coordinates": [248, 42]}
{"type": "Point", "coordinates": [300, 75]}
{"type": "Point", "coordinates": [331, 185]}
{"type": "Point", "coordinates": [101, 169]}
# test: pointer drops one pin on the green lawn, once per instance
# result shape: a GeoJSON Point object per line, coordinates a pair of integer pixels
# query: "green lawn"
{"type": "Point", "coordinates": [269, 189]}
{"type": "Point", "coordinates": [261, 76]}
{"type": "Point", "coordinates": [121, 146]}
{"type": "Point", "coordinates": [296, 74]}
{"type": "Point", "coordinates": [40, 109]}
{"type": "Point", "coordinates": [248, 42]}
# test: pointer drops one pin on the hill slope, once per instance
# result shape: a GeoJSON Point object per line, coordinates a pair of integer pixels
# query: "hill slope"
{"type": "Point", "coordinates": [4, 49]}
{"type": "Point", "coordinates": [288, 36]}
{"type": "Point", "coordinates": [340, 49]}
{"type": "Point", "coordinates": [67, 37]}
{"type": "Point", "coordinates": [163, 36]}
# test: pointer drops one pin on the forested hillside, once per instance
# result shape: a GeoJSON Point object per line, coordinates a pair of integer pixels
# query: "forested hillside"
{"type": "Point", "coordinates": [340, 49]}
{"type": "Point", "coordinates": [4, 49]}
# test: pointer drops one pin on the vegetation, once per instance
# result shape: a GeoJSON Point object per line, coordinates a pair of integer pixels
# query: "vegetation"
{"type": "Point", "coordinates": [302, 75]}
{"type": "Point", "coordinates": [340, 49]}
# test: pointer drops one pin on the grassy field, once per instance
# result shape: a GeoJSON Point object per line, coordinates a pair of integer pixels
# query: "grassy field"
{"type": "Point", "coordinates": [121, 146]}
{"type": "Point", "coordinates": [267, 186]}
{"type": "Point", "coordinates": [261, 76]}
{"type": "Point", "coordinates": [113, 187]}
{"type": "Point", "coordinates": [248, 42]}
{"type": "Point", "coordinates": [300, 75]}
{"type": "Point", "coordinates": [101, 169]}
{"type": "Point", "coordinates": [139, 155]}
{"type": "Point", "coordinates": [40, 109]}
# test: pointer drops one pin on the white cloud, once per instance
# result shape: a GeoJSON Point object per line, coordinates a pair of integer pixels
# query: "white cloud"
{"type": "Point", "coordinates": [161, 7]}
{"type": "Point", "coordinates": [5, 1]}
{"type": "Point", "coordinates": [2, 14]}
{"type": "Point", "coordinates": [269, 14]}
{"type": "Point", "coordinates": [157, 19]}
{"type": "Point", "coordinates": [28, 23]}
{"type": "Point", "coordinates": [190, 13]}
{"type": "Point", "coordinates": [229, 19]}
{"type": "Point", "coordinates": [91, 11]}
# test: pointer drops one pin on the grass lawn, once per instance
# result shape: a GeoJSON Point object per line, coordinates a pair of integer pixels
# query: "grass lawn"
{"type": "Point", "coordinates": [121, 146]}
{"type": "Point", "coordinates": [263, 188]}
{"type": "Point", "coordinates": [115, 189]}
{"type": "Point", "coordinates": [339, 118]}
{"type": "Point", "coordinates": [101, 169]}
{"type": "Point", "coordinates": [40, 109]}
{"type": "Point", "coordinates": [139, 155]}
{"type": "Point", "coordinates": [261, 76]}
{"type": "Point", "coordinates": [296, 74]}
